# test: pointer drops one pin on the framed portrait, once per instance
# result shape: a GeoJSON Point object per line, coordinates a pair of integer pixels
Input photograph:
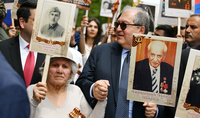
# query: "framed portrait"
{"type": "Point", "coordinates": [52, 27]}
{"type": "Point", "coordinates": [152, 10]}
{"type": "Point", "coordinates": [162, 19]}
{"type": "Point", "coordinates": [189, 103]}
{"type": "Point", "coordinates": [154, 68]}
{"type": "Point", "coordinates": [82, 4]}
{"type": "Point", "coordinates": [179, 8]}
{"type": "Point", "coordinates": [106, 6]}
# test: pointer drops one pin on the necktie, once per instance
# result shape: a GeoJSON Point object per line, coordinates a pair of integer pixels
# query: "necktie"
{"type": "Point", "coordinates": [29, 67]}
{"type": "Point", "coordinates": [122, 102]}
{"type": "Point", "coordinates": [154, 81]}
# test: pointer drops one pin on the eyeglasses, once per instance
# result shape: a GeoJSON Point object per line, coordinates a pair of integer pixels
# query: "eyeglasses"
{"type": "Point", "coordinates": [32, 18]}
{"type": "Point", "coordinates": [123, 25]}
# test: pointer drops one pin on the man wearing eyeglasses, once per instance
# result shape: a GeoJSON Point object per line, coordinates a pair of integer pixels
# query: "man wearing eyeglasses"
{"type": "Point", "coordinates": [105, 72]}
{"type": "Point", "coordinates": [16, 49]}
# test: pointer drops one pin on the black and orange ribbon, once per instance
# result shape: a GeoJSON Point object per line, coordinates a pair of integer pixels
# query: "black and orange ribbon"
{"type": "Point", "coordinates": [76, 113]}
{"type": "Point", "coordinates": [137, 40]}
{"type": "Point", "coordinates": [39, 39]}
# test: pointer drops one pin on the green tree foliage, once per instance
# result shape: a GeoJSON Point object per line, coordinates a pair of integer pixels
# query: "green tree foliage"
{"type": "Point", "coordinates": [95, 11]}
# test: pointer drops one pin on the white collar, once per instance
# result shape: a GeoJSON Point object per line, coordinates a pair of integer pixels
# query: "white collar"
{"type": "Point", "coordinates": [22, 42]}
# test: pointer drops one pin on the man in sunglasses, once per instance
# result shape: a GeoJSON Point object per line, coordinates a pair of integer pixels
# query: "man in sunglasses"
{"type": "Point", "coordinates": [105, 72]}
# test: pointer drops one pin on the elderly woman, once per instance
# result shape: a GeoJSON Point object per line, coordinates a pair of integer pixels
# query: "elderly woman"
{"type": "Point", "coordinates": [57, 98]}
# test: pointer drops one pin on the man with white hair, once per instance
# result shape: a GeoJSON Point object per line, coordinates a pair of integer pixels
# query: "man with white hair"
{"type": "Point", "coordinates": [152, 74]}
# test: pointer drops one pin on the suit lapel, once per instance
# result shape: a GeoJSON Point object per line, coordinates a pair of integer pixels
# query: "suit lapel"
{"type": "Point", "coordinates": [39, 61]}
{"type": "Point", "coordinates": [115, 67]}
{"type": "Point", "coordinates": [15, 56]}
{"type": "Point", "coordinates": [147, 72]}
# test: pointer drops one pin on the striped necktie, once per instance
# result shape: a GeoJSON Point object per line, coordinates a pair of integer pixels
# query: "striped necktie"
{"type": "Point", "coordinates": [154, 81]}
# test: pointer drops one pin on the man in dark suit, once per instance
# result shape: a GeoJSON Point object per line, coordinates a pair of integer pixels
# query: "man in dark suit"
{"type": "Point", "coordinates": [100, 77]}
{"type": "Point", "coordinates": [15, 49]}
{"type": "Point", "coordinates": [160, 80]}
{"type": "Point", "coordinates": [14, 99]}
{"type": "Point", "coordinates": [192, 37]}
{"type": "Point", "coordinates": [164, 30]}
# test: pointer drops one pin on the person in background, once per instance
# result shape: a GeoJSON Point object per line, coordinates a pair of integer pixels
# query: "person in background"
{"type": "Point", "coordinates": [192, 37]}
{"type": "Point", "coordinates": [92, 37]}
{"type": "Point", "coordinates": [181, 35]}
{"type": "Point", "coordinates": [164, 30]}
{"type": "Point", "coordinates": [3, 34]}
{"type": "Point", "coordinates": [109, 31]}
{"type": "Point", "coordinates": [76, 55]}
{"type": "Point", "coordinates": [16, 50]}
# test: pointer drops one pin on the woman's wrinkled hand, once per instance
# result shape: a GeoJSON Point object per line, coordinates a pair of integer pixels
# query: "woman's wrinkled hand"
{"type": "Point", "coordinates": [39, 92]}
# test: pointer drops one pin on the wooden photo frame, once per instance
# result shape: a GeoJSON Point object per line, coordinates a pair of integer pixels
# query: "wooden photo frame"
{"type": "Point", "coordinates": [147, 53]}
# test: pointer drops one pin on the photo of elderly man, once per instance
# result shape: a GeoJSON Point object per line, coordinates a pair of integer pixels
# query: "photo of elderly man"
{"type": "Point", "coordinates": [152, 74]}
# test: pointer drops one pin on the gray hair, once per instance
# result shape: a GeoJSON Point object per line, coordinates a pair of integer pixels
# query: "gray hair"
{"type": "Point", "coordinates": [74, 69]}
{"type": "Point", "coordinates": [165, 47]}
{"type": "Point", "coordinates": [195, 15]}
{"type": "Point", "coordinates": [141, 17]}
{"type": "Point", "coordinates": [70, 59]}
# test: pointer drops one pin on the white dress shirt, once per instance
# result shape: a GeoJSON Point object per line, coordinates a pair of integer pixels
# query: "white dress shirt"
{"type": "Point", "coordinates": [24, 51]}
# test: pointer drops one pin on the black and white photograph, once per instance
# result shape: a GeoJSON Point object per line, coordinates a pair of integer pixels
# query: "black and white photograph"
{"type": "Point", "coordinates": [106, 6]}
{"type": "Point", "coordinates": [52, 27]}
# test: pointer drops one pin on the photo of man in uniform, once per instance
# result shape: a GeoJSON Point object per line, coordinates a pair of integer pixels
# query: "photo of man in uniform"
{"type": "Point", "coordinates": [152, 74]}
{"type": "Point", "coordinates": [53, 29]}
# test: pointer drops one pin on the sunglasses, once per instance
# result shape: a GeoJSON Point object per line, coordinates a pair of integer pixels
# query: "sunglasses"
{"type": "Point", "coordinates": [123, 25]}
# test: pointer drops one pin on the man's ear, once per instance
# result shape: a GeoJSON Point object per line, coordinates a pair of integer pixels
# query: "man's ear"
{"type": "Point", "coordinates": [22, 23]}
{"type": "Point", "coordinates": [164, 57]}
{"type": "Point", "coordinates": [142, 30]}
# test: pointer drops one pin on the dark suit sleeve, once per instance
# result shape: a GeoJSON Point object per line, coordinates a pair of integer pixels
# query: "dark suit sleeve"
{"type": "Point", "coordinates": [86, 78]}
{"type": "Point", "coordinates": [14, 100]}
{"type": "Point", "coordinates": [170, 111]}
